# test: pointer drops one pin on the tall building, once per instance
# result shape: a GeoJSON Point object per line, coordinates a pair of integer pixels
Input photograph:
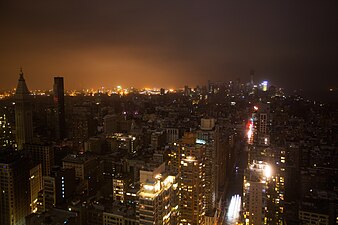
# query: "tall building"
{"type": "Point", "coordinates": [207, 136]}
{"type": "Point", "coordinates": [23, 113]}
{"type": "Point", "coordinates": [7, 138]}
{"type": "Point", "coordinates": [59, 104]}
{"type": "Point", "coordinates": [41, 154]}
{"type": "Point", "coordinates": [157, 197]}
{"type": "Point", "coordinates": [58, 187]}
{"type": "Point", "coordinates": [14, 188]}
{"type": "Point", "coordinates": [255, 187]}
{"type": "Point", "coordinates": [188, 160]}
{"type": "Point", "coordinates": [35, 182]}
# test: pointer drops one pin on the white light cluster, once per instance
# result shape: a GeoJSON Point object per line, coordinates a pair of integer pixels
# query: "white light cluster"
{"type": "Point", "coordinates": [234, 208]}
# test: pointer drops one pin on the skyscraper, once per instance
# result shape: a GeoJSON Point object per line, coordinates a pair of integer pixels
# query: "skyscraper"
{"type": "Point", "coordinates": [23, 113]}
{"type": "Point", "coordinates": [7, 136]}
{"type": "Point", "coordinates": [59, 104]}
{"type": "Point", "coordinates": [188, 160]}
{"type": "Point", "coordinates": [35, 181]}
{"type": "Point", "coordinates": [14, 188]}
{"type": "Point", "coordinates": [157, 197]}
{"type": "Point", "coordinates": [41, 154]}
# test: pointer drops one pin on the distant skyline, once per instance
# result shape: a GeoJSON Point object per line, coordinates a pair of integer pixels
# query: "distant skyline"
{"type": "Point", "coordinates": [293, 44]}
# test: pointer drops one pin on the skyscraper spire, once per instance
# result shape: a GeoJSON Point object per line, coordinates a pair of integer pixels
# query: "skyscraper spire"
{"type": "Point", "coordinates": [23, 113]}
{"type": "Point", "coordinates": [22, 86]}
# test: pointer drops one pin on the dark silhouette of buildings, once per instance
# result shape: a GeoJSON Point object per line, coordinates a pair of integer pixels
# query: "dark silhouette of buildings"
{"type": "Point", "coordinates": [59, 104]}
{"type": "Point", "coordinates": [14, 188]}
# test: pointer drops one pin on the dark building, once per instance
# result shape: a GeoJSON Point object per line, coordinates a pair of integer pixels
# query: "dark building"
{"type": "Point", "coordinates": [59, 104]}
{"type": "Point", "coordinates": [23, 113]}
{"type": "Point", "coordinates": [14, 188]}
{"type": "Point", "coordinates": [58, 187]}
{"type": "Point", "coordinates": [41, 153]}
{"type": "Point", "coordinates": [53, 217]}
{"type": "Point", "coordinates": [7, 138]}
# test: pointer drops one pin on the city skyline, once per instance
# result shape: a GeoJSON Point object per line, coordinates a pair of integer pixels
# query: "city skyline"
{"type": "Point", "coordinates": [169, 44]}
{"type": "Point", "coordinates": [168, 112]}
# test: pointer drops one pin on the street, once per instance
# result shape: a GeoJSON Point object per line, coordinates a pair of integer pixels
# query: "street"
{"type": "Point", "coordinates": [234, 190]}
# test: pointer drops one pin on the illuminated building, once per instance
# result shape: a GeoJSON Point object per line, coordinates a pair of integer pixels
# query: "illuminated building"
{"type": "Point", "coordinates": [122, 142]}
{"type": "Point", "coordinates": [23, 114]}
{"type": "Point", "coordinates": [157, 197]}
{"type": "Point", "coordinates": [208, 135]}
{"type": "Point", "coordinates": [188, 160]}
{"type": "Point", "coordinates": [14, 188]}
{"type": "Point", "coordinates": [191, 189]}
{"type": "Point", "coordinates": [35, 180]}
{"type": "Point", "coordinates": [119, 189]}
{"type": "Point", "coordinates": [59, 104]}
{"type": "Point", "coordinates": [6, 136]}
{"type": "Point", "coordinates": [258, 131]}
{"type": "Point", "coordinates": [264, 86]}
{"type": "Point", "coordinates": [254, 197]}
{"type": "Point", "coordinates": [261, 150]}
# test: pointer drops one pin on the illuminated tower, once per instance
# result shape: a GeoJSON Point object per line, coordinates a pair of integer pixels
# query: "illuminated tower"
{"type": "Point", "coordinates": [208, 135]}
{"type": "Point", "coordinates": [192, 195]}
{"type": "Point", "coordinates": [35, 181]}
{"type": "Point", "coordinates": [157, 197]}
{"type": "Point", "coordinates": [188, 160]}
{"type": "Point", "coordinates": [59, 104]}
{"type": "Point", "coordinates": [7, 139]}
{"type": "Point", "coordinates": [256, 180]}
{"type": "Point", "coordinates": [23, 113]}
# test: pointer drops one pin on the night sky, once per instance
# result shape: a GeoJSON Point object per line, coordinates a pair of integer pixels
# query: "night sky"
{"type": "Point", "coordinates": [164, 43]}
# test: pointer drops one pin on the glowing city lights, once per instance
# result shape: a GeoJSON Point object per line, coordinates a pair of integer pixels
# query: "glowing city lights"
{"type": "Point", "coordinates": [267, 171]}
{"type": "Point", "coordinates": [234, 209]}
{"type": "Point", "coordinates": [250, 131]}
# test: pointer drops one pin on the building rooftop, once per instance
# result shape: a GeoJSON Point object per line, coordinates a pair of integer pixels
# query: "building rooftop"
{"type": "Point", "coordinates": [72, 158]}
{"type": "Point", "coordinates": [9, 156]}
{"type": "Point", "coordinates": [52, 217]}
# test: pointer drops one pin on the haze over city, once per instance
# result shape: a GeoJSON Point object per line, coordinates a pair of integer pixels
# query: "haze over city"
{"type": "Point", "coordinates": [168, 112]}
{"type": "Point", "coordinates": [169, 43]}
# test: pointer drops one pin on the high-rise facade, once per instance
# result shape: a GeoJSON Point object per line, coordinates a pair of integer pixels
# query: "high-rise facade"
{"type": "Point", "coordinates": [157, 199]}
{"type": "Point", "coordinates": [207, 136]}
{"type": "Point", "coordinates": [59, 104]}
{"type": "Point", "coordinates": [188, 161]}
{"type": "Point", "coordinates": [191, 190]}
{"type": "Point", "coordinates": [254, 197]}
{"type": "Point", "coordinates": [58, 187]}
{"type": "Point", "coordinates": [35, 182]}
{"type": "Point", "coordinates": [14, 188]}
{"type": "Point", "coordinates": [263, 195]}
{"type": "Point", "coordinates": [7, 138]}
{"type": "Point", "coordinates": [41, 154]}
{"type": "Point", "coordinates": [23, 113]}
